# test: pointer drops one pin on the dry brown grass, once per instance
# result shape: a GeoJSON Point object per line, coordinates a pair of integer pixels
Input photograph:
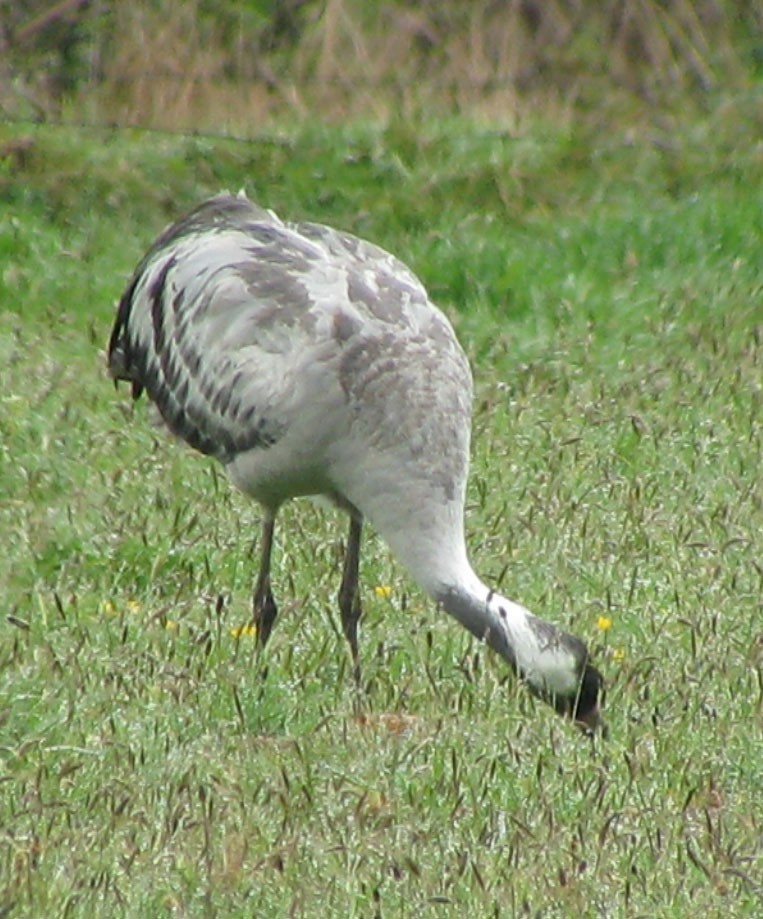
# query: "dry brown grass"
{"type": "Point", "coordinates": [167, 64]}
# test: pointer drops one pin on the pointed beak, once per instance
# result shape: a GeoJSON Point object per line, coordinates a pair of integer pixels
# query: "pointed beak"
{"type": "Point", "coordinates": [591, 722]}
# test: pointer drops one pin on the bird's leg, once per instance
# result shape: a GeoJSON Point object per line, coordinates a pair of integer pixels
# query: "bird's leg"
{"type": "Point", "coordinates": [265, 609]}
{"type": "Point", "coordinates": [349, 593]}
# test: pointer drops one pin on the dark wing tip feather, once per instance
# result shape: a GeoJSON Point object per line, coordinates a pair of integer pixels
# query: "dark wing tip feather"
{"type": "Point", "coordinates": [215, 213]}
{"type": "Point", "coordinates": [119, 355]}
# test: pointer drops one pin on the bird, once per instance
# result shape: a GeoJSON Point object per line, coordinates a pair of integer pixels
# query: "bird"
{"type": "Point", "coordinates": [310, 362]}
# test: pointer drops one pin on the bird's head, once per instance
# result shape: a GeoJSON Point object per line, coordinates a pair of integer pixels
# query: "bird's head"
{"type": "Point", "coordinates": [552, 663]}
{"type": "Point", "coordinates": [567, 679]}
{"type": "Point", "coordinates": [584, 706]}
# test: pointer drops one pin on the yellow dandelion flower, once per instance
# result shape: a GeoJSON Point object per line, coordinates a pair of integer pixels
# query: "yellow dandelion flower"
{"type": "Point", "coordinates": [244, 631]}
{"type": "Point", "coordinates": [383, 591]}
{"type": "Point", "coordinates": [618, 654]}
{"type": "Point", "coordinates": [604, 623]}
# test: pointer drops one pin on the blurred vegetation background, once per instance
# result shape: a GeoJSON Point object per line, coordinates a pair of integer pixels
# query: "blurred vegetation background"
{"type": "Point", "coordinates": [231, 65]}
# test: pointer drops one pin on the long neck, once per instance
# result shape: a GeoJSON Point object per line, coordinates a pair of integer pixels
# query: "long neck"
{"type": "Point", "coordinates": [428, 539]}
{"type": "Point", "coordinates": [547, 658]}
{"type": "Point", "coordinates": [472, 604]}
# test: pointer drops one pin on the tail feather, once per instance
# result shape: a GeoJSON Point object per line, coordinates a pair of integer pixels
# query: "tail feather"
{"type": "Point", "coordinates": [120, 362]}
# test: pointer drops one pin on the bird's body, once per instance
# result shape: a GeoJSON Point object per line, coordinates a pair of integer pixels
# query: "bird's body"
{"type": "Point", "coordinates": [311, 362]}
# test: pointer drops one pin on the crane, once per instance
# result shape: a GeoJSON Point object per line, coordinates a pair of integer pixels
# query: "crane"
{"type": "Point", "coordinates": [310, 362]}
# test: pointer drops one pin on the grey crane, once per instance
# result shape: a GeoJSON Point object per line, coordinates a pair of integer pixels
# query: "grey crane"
{"type": "Point", "coordinates": [311, 362]}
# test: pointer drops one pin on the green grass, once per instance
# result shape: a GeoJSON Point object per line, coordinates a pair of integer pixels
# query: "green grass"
{"type": "Point", "coordinates": [609, 292]}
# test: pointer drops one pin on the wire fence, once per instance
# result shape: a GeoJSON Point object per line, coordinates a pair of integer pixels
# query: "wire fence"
{"type": "Point", "coordinates": [25, 123]}
{"type": "Point", "coordinates": [163, 101]}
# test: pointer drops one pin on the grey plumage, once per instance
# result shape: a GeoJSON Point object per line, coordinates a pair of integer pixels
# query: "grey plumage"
{"type": "Point", "coordinates": [308, 361]}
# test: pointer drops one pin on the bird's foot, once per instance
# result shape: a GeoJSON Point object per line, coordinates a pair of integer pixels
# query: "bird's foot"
{"type": "Point", "coordinates": [264, 615]}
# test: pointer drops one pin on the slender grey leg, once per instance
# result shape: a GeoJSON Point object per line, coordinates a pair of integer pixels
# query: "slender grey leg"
{"type": "Point", "coordinates": [265, 609]}
{"type": "Point", "coordinates": [349, 593]}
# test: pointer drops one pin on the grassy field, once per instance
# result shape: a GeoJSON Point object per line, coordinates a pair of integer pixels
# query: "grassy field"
{"type": "Point", "coordinates": [606, 283]}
